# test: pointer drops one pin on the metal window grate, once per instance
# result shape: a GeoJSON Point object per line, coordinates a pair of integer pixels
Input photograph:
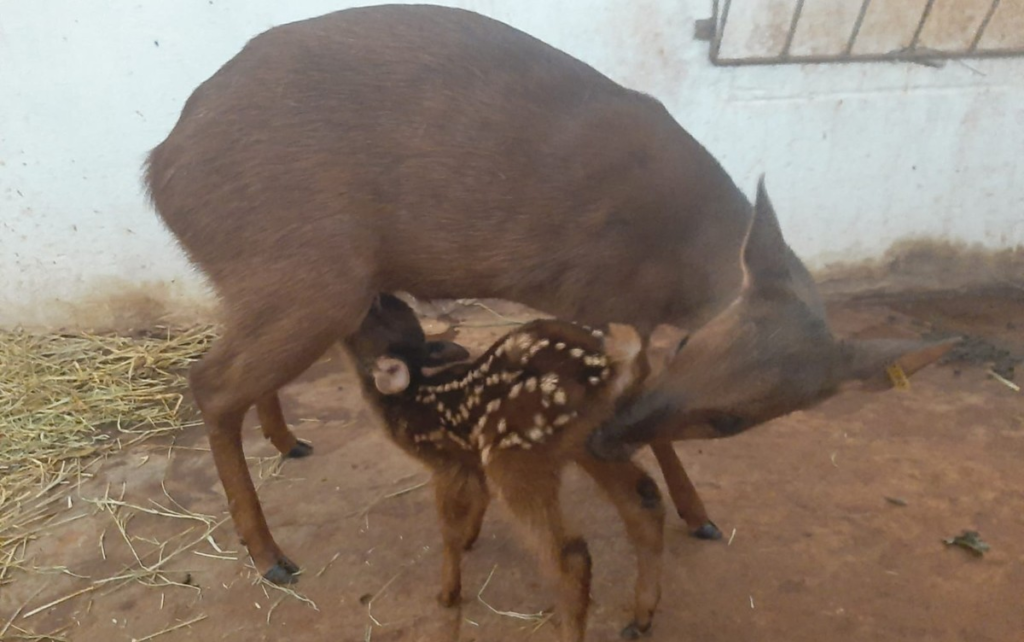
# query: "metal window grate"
{"type": "Point", "coordinates": [772, 32]}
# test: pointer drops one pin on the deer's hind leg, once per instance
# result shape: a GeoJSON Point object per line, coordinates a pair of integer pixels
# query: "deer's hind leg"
{"type": "Point", "coordinates": [267, 342]}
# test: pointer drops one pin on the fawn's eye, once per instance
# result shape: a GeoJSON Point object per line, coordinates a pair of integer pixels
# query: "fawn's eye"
{"type": "Point", "coordinates": [682, 344]}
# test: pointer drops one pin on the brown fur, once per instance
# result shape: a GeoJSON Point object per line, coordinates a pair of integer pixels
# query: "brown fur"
{"type": "Point", "coordinates": [790, 359]}
{"type": "Point", "coordinates": [442, 153]}
{"type": "Point", "coordinates": [510, 421]}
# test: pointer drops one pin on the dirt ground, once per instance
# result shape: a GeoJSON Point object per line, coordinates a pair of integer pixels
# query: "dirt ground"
{"type": "Point", "coordinates": [817, 552]}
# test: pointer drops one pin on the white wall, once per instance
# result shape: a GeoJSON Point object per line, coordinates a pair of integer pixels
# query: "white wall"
{"type": "Point", "coordinates": [857, 156]}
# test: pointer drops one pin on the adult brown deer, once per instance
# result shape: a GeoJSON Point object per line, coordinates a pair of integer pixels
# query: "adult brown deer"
{"type": "Point", "coordinates": [439, 152]}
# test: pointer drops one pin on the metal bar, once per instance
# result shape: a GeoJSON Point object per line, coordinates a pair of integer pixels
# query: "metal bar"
{"type": "Point", "coordinates": [792, 27]}
{"type": "Point", "coordinates": [896, 56]}
{"type": "Point", "coordinates": [719, 28]}
{"type": "Point", "coordinates": [909, 54]}
{"type": "Point", "coordinates": [984, 24]}
{"type": "Point", "coordinates": [920, 25]}
{"type": "Point", "coordinates": [856, 27]}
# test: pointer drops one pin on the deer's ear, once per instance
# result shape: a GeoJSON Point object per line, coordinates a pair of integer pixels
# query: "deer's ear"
{"type": "Point", "coordinates": [764, 253]}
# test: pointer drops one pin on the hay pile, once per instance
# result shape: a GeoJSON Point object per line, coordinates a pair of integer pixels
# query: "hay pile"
{"type": "Point", "coordinates": [64, 399]}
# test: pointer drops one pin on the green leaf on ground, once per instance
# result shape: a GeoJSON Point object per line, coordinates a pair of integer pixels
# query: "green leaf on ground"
{"type": "Point", "coordinates": [969, 540]}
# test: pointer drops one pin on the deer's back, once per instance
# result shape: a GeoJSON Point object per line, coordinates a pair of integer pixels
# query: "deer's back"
{"type": "Point", "coordinates": [440, 152]}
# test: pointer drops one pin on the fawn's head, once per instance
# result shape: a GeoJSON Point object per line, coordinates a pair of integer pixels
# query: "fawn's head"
{"type": "Point", "coordinates": [391, 334]}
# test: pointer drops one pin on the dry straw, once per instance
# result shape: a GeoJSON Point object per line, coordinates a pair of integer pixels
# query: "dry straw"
{"type": "Point", "coordinates": [67, 398]}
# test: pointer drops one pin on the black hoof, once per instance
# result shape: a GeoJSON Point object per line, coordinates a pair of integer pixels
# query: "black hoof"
{"type": "Point", "coordinates": [634, 631]}
{"type": "Point", "coordinates": [707, 531]}
{"type": "Point", "coordinates": [300, 449]}
{"type": "Point", "coordinates": [283, 573]}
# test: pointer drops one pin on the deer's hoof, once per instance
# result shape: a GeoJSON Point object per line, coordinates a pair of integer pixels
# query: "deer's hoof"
{"type": "Point", "coordinates": [707, 531]}
{"type": "Point", "coordinates": [300, 449]}
{"type": "Point", "coordinates": [283, 573]}
{"type": "Point", "coordinates": [634, 631]}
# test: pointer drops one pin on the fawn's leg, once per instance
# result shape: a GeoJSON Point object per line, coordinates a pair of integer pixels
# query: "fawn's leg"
{"type": "Point", "coordinates": [529, 487]}
{"type": "Point", "coordinates": [275, 428]}
{"type": "Point", "coordinates": [639, 504]}
{"type": "Point", "coordinates": [477, 520]}
{"type": "Point", "coordinates": [462, 498]}
{"type": "Point", "coordinates": [684, 496]}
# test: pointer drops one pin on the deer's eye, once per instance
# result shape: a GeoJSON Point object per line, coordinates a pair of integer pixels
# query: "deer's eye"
{"type": "Point", "coordinates": [729, 425]}
{"type": "Point", "coordinates": [682, 344]}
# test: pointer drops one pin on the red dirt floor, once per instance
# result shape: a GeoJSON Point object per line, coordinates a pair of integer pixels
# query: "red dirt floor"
{"type": "Point", "coordinates": [817, 552]}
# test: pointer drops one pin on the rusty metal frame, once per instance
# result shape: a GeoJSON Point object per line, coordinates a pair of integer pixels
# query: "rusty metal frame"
{"type": "Point", "coordinates": [911, 53]}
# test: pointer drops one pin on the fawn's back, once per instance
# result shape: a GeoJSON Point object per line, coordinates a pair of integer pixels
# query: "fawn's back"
{"type": "Point", "coordinates": [533, 387]}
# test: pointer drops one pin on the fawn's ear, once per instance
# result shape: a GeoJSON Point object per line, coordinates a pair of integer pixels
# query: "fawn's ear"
{"type": "Point", "coordinates": [622, 344]}
{"type": "Point", "coordinates": [442, 353]}
{"type": "Point", "coordinates": [390, 375]}
{"type": "Point", "coordinates": [665, 343]}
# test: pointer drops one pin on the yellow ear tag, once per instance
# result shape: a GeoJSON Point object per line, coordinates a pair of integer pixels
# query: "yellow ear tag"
{"type": "Point", "coordinates": [897, 377]}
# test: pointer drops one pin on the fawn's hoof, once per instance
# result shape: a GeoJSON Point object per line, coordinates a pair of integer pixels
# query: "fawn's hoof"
{"type": "Point", "coordinates": [449, 599]}
{"type": "Point", "coordinates": [300, 449]}
{"type": "Point", "coordinates": [283, 573]}
{"type": "Point", "coordinates": [707, 531]}
{"type": "Point", "coordinates": [634, 631]}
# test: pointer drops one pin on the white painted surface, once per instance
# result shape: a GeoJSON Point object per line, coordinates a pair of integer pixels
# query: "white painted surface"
{"type": "Point", "coordinates": [857, 156]}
